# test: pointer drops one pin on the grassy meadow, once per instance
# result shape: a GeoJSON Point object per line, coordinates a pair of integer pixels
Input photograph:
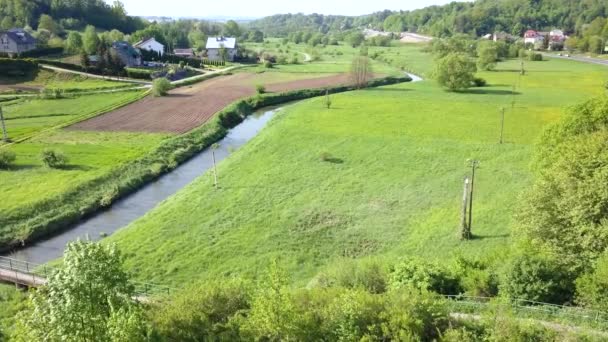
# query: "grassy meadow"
{"type": "Point", "coordinates": [377, 175]}
{"type": "Point", "coordinates": [29, 116]}
{"type": "Point", "coordinates": [56, 80]}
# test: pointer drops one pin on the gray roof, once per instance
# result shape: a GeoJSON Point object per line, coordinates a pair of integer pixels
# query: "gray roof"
{"type": "Point", "coordinates": [20, 36]}
{"type": "Point", "coordinates": [217, 42]}
{"type": "Point", "coordinates": [125, 48]}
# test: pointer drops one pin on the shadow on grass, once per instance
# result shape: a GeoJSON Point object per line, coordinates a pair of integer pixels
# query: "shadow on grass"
{"type": "Point", "coordinates": [490, 237]}
{"type": "Point", "coordinates": [334, 160]}
{"type": "Point", "coordinates": [75, 168]}
{"type": "Point", "coordinates": [394, 90]}
{"type": "Point", "coordinates": [485, 91]}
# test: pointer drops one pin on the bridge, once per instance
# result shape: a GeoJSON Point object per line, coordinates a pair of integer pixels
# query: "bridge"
{"type": "Point", "coordinates": [27, 274]}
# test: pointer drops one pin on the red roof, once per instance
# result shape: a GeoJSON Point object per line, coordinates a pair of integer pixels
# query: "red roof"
{"type": "Point", "coordinates": [530, 34]}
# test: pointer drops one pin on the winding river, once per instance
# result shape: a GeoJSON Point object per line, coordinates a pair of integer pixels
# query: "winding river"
{"type": "Point", "coordinates": [134, 206]}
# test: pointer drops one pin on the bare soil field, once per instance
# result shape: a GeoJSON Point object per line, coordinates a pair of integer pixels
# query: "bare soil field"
{"type": "Point", "coordinates": [187, 108]}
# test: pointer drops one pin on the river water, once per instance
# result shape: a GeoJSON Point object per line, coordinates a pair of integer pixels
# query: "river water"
{"type": "Point", "coordinates": [136, 205]}
{"type": "Point", "coordinates": [139, 203]}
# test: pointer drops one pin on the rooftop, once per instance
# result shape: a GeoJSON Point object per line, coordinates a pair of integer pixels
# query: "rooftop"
{"type": "Point", "coordinates": [217, 42]}
{"type": "Point", "coordinates": [20, 36]}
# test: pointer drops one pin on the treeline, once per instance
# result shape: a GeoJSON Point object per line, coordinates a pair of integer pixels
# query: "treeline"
{"type": "Point", "coordinates": [71, 14]}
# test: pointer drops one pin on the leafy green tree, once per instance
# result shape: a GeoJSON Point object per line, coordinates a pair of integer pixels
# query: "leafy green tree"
{"type": "Point", "coordinates": [487, 55]}
{"type": "Point", "coordinates": [355, 39]}
{"type": "Point", "coordinates": [421, 275]}
{"type": "Point", "coordinates": [88, 298]}
{"type": "Point", "coordinates": [116, 35]}
{"type": "Point", "coordinates": [361, 71]}
{"type": "Point", "coordinates": [592, 287]}
{"type": "Point", "coordinates": [256, 36]}
{"type": "Point", "coordinates": [74, 42]}
{"type": "Point", "coordinates": [7, 23]}
{"type": "Point", "coordinates": [90, 40]}
{"type": "Point", "coordinates": [46, 22]}
{"type": "Point", "coordinates": [455, 72]}
{"type": "Point", "coordinates": [232, 29]}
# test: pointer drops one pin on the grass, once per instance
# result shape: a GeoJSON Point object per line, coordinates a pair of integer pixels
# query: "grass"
{"type": "Point", "coordinates": [379, 174]}
{"type": "Point", "coordinates": [30, 116]}
{"type": "Point", "coordinates": [53, 80]}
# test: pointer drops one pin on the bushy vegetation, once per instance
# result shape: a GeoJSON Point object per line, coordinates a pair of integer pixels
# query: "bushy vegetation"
{"type": "Point", "coordinates": [53, 158]}
{"type": "Point", "coordinates": [161, 87]}
{"type": "Point", "coordinates": [455, 72]}
{"type": "Point", "coordinates": [7, 157]}
{"type": "Point", "coordinates": [17, 67]}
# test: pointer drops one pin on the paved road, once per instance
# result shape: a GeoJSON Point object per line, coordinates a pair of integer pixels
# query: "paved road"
{"type": "Point", "coordinates": [580, 59]}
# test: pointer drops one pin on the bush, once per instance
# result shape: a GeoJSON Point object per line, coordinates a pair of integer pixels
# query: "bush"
{"type": "Point", "coordinates": [535, 57]}
{"type": "Point", "coordinates": [455, 71]}
{"type": "Point", "coordinates": [268, 64]}
{"type": "Point", "coordinates": [424, 275]}
{"type": "Point", "coordinates": [51, 94]}
{"type": "Point", "coordinates": [536, 277]}
{"type": "Point", "coordinates": [161, 87]}
{"type": "Point", "coordinates": [260, 89]}
{"type": "Point", "coordinates": [592, 287]}
{"type": "Point", "coordinates": [53, 159]}
{"type": "Point", "coordinates": [479, 82]}
{"type": "Point", "coordinates": [369, 275]}
{"type": "Point", "coordinates": [17, 67]}
{"type": "Point", "coordinates": [6, 158]}
{"type": "Point", "coordinates": [139, 73]}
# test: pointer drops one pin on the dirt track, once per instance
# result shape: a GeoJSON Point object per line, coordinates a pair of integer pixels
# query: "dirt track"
{"type": "Point", "coordinates": [187, 108]}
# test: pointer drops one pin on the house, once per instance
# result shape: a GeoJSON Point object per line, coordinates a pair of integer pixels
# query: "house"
{"type": "Point", "coordinates": [557, 38]}
{"type": "Point", "coordinates": [537, 39]}
{"type": "Point", "coordinates": [502, 36]}
{"type": "Point", "coordinates": [150, 44]}
{"type": "Point", "coordinates": [184, 53]}
{"type": "Point", "coordinates": [215, 45]}
{"type": "Point", "coordinates": [129, 55]}
{"type": "Point", "coordinates": [16, 41]}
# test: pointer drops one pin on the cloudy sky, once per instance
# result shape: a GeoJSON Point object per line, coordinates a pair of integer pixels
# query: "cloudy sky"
{"type": "Point", "coordinates": [253, 8]}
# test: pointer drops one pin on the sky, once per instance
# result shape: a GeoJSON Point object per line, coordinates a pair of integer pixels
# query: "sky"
{"type": "Point", "coordinates": [260, 8]}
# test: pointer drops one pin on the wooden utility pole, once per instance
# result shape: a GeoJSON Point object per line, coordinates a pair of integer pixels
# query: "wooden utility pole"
{"type": "Point", "coordinates": [213, 148]}
{"type": "Point", "coordinates": [4, 133]}
{"type": "Point", "coordinates": [465, 231]}
{"type": "Point", "coordinates": [502, 124]}
{"type": "Point", "coordinates": [474, 165]}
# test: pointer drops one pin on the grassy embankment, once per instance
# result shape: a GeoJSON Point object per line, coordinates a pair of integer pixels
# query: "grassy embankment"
{"type": "Point", "coordinates": [378, 174]}
{"type": "Point", "coordinates": [52, 80]}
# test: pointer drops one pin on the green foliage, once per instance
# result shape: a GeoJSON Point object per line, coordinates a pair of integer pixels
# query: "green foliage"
{"type": "Point", "coordinates": [355, 39]}
{"type": "Point", "coordinates": [53, 159]}
{"type": "Point", "coordinates": [537, 277]}
{"type": "Point", "coordinates": [88, 299]}
{"type": "Point", "coordinates": [479, 82]}
{"type": "Point", "coordinates": [368, 275]}
{"type": "Point", "coordinates": [478, 278]}
{"type": "Point", "coordinates": [143, 74]}
{"type": "Point", "coordinates": [260, 89]}
{"type": "Point", "coordinates": [455, 72]}
{"type": "Point", "coordinates": [161, 87]}
{"type": "Point", "coordinates": [487, 55]}
{"type": "Point", "coordinates": [17, 67]}
{"type": "Point", "coordinates": [592, 287]}
{"type": "Point", "coordinates": [565, 210]}
{"type": "Point", "coordinates": [7, 157]}
{"type": "Point", "coordinates": [74, 42]}
{"type": "Point", "coordinates": [423, 275]}
{"type": "Point", "coordinates": [90, 40]}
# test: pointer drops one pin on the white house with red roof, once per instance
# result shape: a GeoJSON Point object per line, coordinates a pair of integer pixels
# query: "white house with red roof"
{"type": "Point", "coordinates": [535, 38]}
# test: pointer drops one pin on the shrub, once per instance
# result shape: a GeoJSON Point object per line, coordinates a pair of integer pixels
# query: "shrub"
{"type": "Point", "coordinates": [424, 275]}
{"type": "Point", "coordinates": [51, 94]}
{"type": "Point", "coordinates": [260, 89]}
{"type": "Point", "coordinates": [476, 277]}
{"type": "Point", "coordinates": [139, 73]}
{"type": "Point", "coordinates": [479, 82]}
{"type": "Point", "coordinates": [6, 158]}
{"type": "Point", "coordinates": [268, 64]}
{"type": "Point", "coordinates": [17, 67]}
{"type": "Point", "coordinates": [535, 57]}
{"type": "Point", "coordinates": [592, 287]}
{"type": "Point", "coordinates": [536, 277]}
{"type": "Point", "coordinates": [369, 275]}
{"type": "Point", "coordinates": [53, 159]}
{"type": "Point", "coordinates": [161, 87]}
{"type": "Point", "coordinates": [455, 71]}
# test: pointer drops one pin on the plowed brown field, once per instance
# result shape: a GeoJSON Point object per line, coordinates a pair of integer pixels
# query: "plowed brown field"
{"type": "Point", "coordinates": [187, 108]}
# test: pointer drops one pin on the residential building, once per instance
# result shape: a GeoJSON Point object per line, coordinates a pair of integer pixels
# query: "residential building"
{"type": "Point", "coordinates": [502, 36]}
{"type": "Point", "coordinates": [150, 44]}
{"type": "Point", "coordinates": [557, 38]}
{"type": "Point", "coordinates": [129, 55]}
{"type": "Point", "coordinates": [537, 39]}
{"type": "Point", "coordinates": [215, 45]}
{"type": "Point", "coordinates": [16, 41]}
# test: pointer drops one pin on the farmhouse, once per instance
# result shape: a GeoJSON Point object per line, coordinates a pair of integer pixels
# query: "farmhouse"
{"type": "Point", "coordinates": [16, 41]}
{"type": "Point", "coordinates": [150, 44]}
{"type": "Point", "coordinates": [129, 56]}
{"type": "Point", "coordinates": [537, 39]}
{"type": "Point", "coordinates": [215, 46]}
{"type": "Point", "coordinates": [556, 40]}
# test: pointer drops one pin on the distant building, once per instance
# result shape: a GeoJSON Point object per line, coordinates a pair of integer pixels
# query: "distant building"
{"type": "Point", "coordinates": [215, 44]}
{"type": "Point", "coordinates": [557, 38]}
{"type": "Point", "coordinates": [129, 55]}
{"type": "Point", "coordinates": [16, 41]}
{"type": "Point", "coordinates": [502, 36]}
{"type": "Point", "coordinates": [150, 44]}
{"type": "Point", "coordinates": [184, 52]}
{"type": "Point", "coordinates": [537, 39]}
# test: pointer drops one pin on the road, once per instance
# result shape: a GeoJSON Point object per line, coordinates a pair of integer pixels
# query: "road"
{"type": "Point", "coordinates": [580, 59]}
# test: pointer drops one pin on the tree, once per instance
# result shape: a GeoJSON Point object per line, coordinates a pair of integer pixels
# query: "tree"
{"type": "Point", "coordinates": [88, 298]}
{"type": "Point", "coordinates": [360, 71]}
{"type": "Point", "coordinates": [232, 29]}
{"type": "Point", "coordinates": [85, 62]}
{"type": "Point", "coordinates": [116, 35]}
{"type": "Point", "coordinates": [455, 71]}
{"type": "Point", "coordinates": [355, 39]}
{"type": "Point", "coordinates": [161, 87]}
{"type": "Point", "coordinates": [256, 36]}
{"type": "Point", "coordinates": [487, 55]}
{"type": "Point", "coordinates": [223, 53]}
{"type": "Point", "coordinates": [46, 22]}
{"type": "Point", "coordinates": [7, 23]}
{"type": "Point", "coordinates": [592, 287]}
{"type": "Point", "coordinates": [74, 42]}
{"type": "Point", "coordinates": [90, 40]}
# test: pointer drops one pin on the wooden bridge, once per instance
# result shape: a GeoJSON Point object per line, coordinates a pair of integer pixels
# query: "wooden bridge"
{"type": "Point", "coordinates": [23, 273]}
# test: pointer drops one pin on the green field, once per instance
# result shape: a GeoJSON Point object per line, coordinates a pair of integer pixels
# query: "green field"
{"type": "Point", "coordinates": [390, 184]}
{"type": "Point", "coordinates": [53, 80]}
{"type": "Point", "coordinates": [31, 115]}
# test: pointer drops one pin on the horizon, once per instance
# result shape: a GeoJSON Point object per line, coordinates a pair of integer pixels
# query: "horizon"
{"type": "Point", "coordinates": [248, 10]}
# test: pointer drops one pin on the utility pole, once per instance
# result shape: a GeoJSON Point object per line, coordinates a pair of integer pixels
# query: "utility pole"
{"type": "Point", "coordinates": [474, 165]}
{"type": "Point", "coordinates": [502, 124]}
{"type": "Point", "coordinates": [465, 231]}
{"type": "Point", "coordinates": [4, 133]}
{"type": "Point", "coordinates": [213, 148]}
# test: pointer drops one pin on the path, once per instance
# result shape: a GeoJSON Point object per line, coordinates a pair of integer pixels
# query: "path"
{"type": "Point", "coordinates": [109, 78]}
{"type": "Point", "coordinates": [579, 59]}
